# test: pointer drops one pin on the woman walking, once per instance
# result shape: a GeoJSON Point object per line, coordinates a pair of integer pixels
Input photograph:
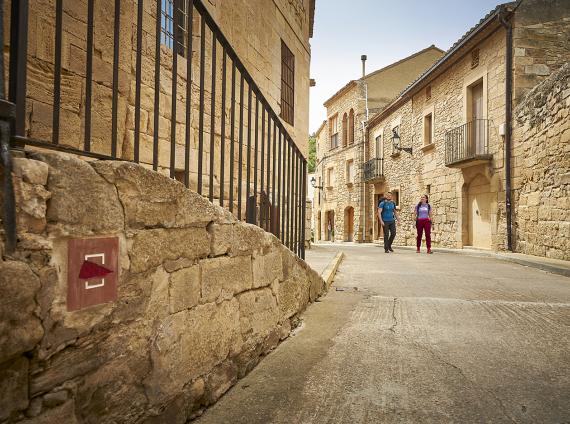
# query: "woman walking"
{"type": "Point", "coordinates": [422, 215]}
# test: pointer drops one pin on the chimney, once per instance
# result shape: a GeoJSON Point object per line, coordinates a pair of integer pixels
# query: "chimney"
{"type": "Point", "coordinates": [363, 58]}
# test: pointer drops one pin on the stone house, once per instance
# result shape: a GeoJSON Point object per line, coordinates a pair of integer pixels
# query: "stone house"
{"type": "Point", "coordinates": [340, 146]}
{"type": "Point", "coordinates": [187, 297]}
{"type": "Point", "coordinates": [451, 134]}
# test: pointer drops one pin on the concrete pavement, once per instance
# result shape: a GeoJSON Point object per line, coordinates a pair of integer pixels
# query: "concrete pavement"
{"type": "Point", "coordinates": [404, 337]}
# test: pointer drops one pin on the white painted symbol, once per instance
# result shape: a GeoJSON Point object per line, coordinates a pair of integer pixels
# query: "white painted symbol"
{"type": "Point", "coordinates": [94, 285]}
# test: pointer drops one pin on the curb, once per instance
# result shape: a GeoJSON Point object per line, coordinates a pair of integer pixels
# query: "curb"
{"type": "Point", "coordinates": [331, 269]}
{"type": "Point", "coordinates": [548, 267]}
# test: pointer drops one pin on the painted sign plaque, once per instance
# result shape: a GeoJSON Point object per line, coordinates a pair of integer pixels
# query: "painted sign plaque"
{"type": "Point", "coordinates": [92, 272]}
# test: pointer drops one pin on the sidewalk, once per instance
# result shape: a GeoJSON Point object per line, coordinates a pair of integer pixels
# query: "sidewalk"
{"type": "Point", "coordinates": [555, 266]}
{"type": "Point", "coordinates": [319, 258]}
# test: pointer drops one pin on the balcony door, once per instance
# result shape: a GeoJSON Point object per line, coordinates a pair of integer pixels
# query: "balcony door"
{"type": "Point", "coordinates": [477, 145]}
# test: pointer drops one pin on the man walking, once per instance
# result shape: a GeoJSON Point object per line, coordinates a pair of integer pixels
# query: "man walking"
{"type": "Point", "coordinates": [388, 217]}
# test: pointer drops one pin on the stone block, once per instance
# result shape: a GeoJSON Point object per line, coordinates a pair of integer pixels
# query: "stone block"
{"type": "Point", "coordinates": [81, 201]}
{"type": "Point", "coordinates": [150, 248]}
{"type": "Point", "coordinates": [62, 414]}
{"type": "Point", "coordinates": [31, 204]}
{"type": "Point", "coordinates": [152, 200]}
{"type": "Point", "coordinates": [267, 268]}
{"type": "Point", "coordinates": [222, 238]}
{"type": "Point", "coordinates": [259, 313]}
{"type": "Point", "coordinates": [293, 296]}
{"type": "Point", "coordinates": [537, 69]}
{"type": "Point", "coordinates": [220, 380]}
{"type": "Point", "coordinates": [13, 387]}
{"type": "Point", "coordinates": [224, 277]}
{"type": "Point", "coordinates": [184, 291]}
{"type": "Point", "coordinates": [20, 328]}
{"type": "Point", "coordinates": [190, 344]}
{"type": "Point", "coordinates": [31, 171]}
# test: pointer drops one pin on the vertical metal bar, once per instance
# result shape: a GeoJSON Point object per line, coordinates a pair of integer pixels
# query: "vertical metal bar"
{"type": "Point", "coordinates": [57, 72]}
{"type": "Point", "coordinates": [279, 179]}
{"type": "Point", "coordinates": [256, 151]}
{"type": "Point", "coordinates": [223, 129]}
{"type": "Point", "coordinates": [262, 157]}
{"type": "Point", "coordinates": [287, 193]}
{"type": "Point", "coordinates": [295, 200]}
{"type": "Point", "coordinates": [138, 77]}
{"type": "Point", "coordinates": [115, 100]}
{"type": "Point", "coordinates": [248, 161]}
{"type": "Point", "coordinates": [212, 118]}
{"type": "Point", "coordinates": [268, 154]}
{"type": "Point", "coordinates": [232, 138]}
{"type": "Point", "coordinates": [8, 197]}
{"type": "Point", "coordinates": [175, 19]}
{"type": "Point", "coordinates": [156, 85]}
{"type": "Point", "coordinates": [273, 167]}
{"type": "Point", "coordinates": [240, 150]}
{"type": "Point", "coordinates": [88, 77]}
{"type": "Point", "coordinates": [303, 207]}
{"type": "Point", "coordinates": [190, 34]}
{"type": "Point", "coordinates": [201, 121]}
{"type": "Point", "coordinates": [18, 62]}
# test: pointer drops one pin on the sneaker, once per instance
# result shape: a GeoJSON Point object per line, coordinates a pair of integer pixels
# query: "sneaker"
{"type": "Point", "coordinates": [386, 251]}
{"type": "Point", "coordinates": [390, 249]}
{"type": "Point", "coordinates": [417, 250]}
{"type": "Point", "coordinates": [429, 251]}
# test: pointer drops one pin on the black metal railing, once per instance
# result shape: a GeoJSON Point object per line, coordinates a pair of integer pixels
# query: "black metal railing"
{"type": "Point", "coordinates": [467, 142]}
{"type": "Point", "coordinates": [373, 169]}
{"type": "Point", "coordinates": [217, 133]}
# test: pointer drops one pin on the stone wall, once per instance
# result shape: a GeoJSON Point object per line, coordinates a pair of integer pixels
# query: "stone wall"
{"type": "Point", "coordinates": [201, 297]}
{"type": "Point", "coordinates": [541, 177]}
{"type": "Point", "coordinates": [541, 37]}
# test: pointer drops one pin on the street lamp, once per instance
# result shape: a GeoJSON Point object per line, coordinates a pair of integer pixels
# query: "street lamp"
{"type": "Point", "coordinates": [396, 142]}
{"type": "Point", "coordinates": [314, 184]}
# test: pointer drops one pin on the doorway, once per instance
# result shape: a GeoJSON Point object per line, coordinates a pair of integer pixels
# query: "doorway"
{"type": "Point", "coordinates": [379, 232]}
{"type": "Point", "coordinates": [478, 211]}
{"type": "Point", "coordinates": [349, 224]}
{"type": "Point", "coordinates": [329, 226]}
{"type": "Point", "coordinates": [318, 227]}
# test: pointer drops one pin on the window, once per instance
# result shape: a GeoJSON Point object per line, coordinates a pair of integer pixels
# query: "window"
{"type": "Point", "coordinates": [351, 127]}
{"type": "Point", "coordinates": [330, 177]}
{"type": "Point", "coordinates": [428, 92]}
{"type": "Point", "coordinates": [428, 129]}
{"type": "Point", "coordinates": [474, 58]}
{"type": "Point", "coordinates": [428, 189]}
{"type": "Point", "coordinates": [396, 197]}
{"type": "Point", "coordinates": [350, 171]}
{"type": "Point", "coordinates": [287, 84]}
{"type": "Point", "coordinates": [319, 191]}
{"type": "Point", "coordinates": [344, 130]}
{"type": "Point", "coordinates": [167, 25]}
{"type": "Point", "coordinates": [333, 130]}
{"type": "Point", "coordinates": [379, 146]}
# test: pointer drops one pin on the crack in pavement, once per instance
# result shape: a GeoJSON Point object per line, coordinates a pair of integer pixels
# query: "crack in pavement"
{"type": "Point", "coordinates": [394, 319]}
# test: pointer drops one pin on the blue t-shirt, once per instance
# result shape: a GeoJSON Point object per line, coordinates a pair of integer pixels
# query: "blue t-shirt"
{"type": "Point", "coordinates": [388, 208]}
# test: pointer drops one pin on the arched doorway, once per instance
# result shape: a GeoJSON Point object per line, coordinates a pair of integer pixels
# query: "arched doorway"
{"type": "Point", "coordinates": [349, 224]}
{"type": "Point", "coordinates": [478, 212]}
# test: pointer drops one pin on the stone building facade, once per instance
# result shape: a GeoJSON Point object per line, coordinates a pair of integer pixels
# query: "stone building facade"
{"type": "Point", "coordinates": [454, 120]}
{"type": "Point", "coordinates": [255, 29]}
{"type": "Point", "coordinates": [341, 145]}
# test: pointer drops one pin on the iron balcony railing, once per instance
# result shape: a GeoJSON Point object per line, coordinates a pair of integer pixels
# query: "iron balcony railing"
{"type": "Point", "coordinates": [466, 142]}
{"type": "Point", "coordinates": [206, 121]}
{"type": "Point", "coordinates": [374, 169]}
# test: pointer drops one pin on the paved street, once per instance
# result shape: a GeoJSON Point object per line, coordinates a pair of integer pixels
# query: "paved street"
{"type": "Point", "coordinates": [418, 338]}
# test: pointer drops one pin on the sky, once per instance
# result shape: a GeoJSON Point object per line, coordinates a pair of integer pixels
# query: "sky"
{"type": "Point", "coordinates": [385, 31]}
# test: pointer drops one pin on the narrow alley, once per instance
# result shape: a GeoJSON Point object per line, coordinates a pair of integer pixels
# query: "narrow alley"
{"type": "Point", "coordinates": [417, 338]}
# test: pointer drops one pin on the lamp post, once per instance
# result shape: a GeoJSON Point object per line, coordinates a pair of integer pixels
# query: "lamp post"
{"type": "Point", "coordinates": [396, 142]}
{"type": "Point", "coordinates": [314, 184]}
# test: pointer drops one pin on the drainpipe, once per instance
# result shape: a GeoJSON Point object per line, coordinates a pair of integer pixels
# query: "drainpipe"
{"type": "Point", "coordinates": [508, 117]}
{"type": "Point", "coordinates": [362, 154]}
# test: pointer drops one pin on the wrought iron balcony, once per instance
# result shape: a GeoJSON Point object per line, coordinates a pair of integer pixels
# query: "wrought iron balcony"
{"type": "Point", "coordinates": [374, 170]}
{"type": "Point", "coordinates": [468, 144]}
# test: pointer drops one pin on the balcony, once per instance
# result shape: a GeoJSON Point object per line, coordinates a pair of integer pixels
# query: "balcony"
{"type": "Point", "coordinates": [374, 170]}
{"type": "Point", "coordinates": [468, 144]}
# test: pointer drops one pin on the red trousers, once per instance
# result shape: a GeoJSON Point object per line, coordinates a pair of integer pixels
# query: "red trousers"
{"type": "Point", "coordinates": [423, 225]}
